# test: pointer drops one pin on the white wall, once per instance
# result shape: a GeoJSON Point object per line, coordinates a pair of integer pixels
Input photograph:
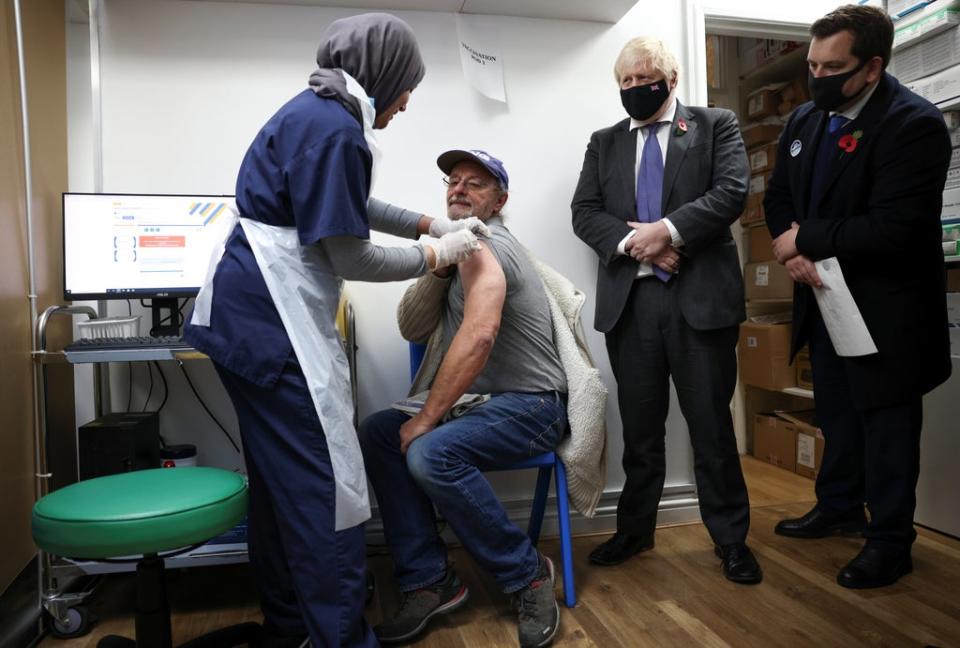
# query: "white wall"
{"type": "Point", "coordinates": [186, 86]}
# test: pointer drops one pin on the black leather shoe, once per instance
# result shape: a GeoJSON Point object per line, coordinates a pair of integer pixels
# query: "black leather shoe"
{"type": "Point", "coordinates": [875, 568]}
{"type": "Point", "coordinates": [620, 547]}
{"type": "Point", "coordinates": [739, 563]}
{"type": "Point", "coordinates": [817, 524]}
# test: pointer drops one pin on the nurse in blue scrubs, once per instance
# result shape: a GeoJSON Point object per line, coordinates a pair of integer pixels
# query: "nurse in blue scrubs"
{"type": "Point", "coordinates": [266, 320]}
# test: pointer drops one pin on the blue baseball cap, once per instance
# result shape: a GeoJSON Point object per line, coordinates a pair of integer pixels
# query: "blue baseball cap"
{"type": "Point", "coordinates": [448, 160]}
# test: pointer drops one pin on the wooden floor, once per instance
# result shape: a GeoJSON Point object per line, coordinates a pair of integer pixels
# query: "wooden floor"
{"type": "Point", "coordinates": [672, 596]}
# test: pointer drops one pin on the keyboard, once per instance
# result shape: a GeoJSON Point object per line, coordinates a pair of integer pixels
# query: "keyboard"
{"type": "Point", "coordinates": [125, 349]}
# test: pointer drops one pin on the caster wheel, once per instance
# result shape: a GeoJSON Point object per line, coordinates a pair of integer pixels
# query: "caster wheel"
{"type": "Point", "coordinates": [76, 624]}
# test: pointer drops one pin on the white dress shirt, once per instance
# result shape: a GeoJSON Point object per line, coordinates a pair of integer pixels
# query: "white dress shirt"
{"type": "Point", "coordinates": [663, 138]}
{"type": "Point", "coordinates": [853, 111]}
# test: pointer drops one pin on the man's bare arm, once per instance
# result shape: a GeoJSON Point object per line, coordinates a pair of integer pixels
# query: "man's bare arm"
{"type": "Point", "coordinates": [484, 290]}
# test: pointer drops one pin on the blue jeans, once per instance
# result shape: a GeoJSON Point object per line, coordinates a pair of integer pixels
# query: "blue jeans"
{"type": "Point", "coordinates": [444, 468]}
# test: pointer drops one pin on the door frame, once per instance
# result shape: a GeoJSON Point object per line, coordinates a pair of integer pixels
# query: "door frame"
{"type": "Point", "coordinates": [701, 17]}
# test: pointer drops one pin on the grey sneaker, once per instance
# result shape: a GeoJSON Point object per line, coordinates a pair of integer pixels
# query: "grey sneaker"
{"type": "Point", "coordinates": [419, 606]}
{"type": "Point", "coordinates": [539, 614]}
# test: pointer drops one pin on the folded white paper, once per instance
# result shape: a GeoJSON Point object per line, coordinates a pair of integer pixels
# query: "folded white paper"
{"type": "Point", "coordinates": [480, 57]}
{"type": "Point", "coordinates": [845, 324]}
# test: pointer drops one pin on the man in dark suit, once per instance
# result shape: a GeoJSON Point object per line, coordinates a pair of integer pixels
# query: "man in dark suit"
{"type": "Point", "coordinates": [859, 176]}
{"type": "Point", "coordinates": [656, 197]}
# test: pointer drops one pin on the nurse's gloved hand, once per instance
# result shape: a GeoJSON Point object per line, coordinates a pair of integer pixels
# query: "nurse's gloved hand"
{"type": "Point", "coordinates": [452, 248]}
{"type": "Point", "coordinates": [441, 226]}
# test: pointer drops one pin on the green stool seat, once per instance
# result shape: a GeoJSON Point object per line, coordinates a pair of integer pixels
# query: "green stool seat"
{"type": "Point", "coordinates": [139, 512]}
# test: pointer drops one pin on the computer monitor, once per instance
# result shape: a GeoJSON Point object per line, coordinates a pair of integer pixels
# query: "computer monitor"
{"type": "Point", "coordinates": [140, 246]}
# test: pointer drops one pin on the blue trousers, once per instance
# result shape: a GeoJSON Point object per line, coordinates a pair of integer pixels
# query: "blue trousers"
{"type": "Point", "coordinates": [311, 579]}
{"type": "Point", "coordinates": [443, 468]}
{"type": "Point", "coordinates": [870, 456]}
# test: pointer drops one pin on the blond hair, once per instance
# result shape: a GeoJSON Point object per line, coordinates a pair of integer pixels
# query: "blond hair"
{"type": "Point", "coordinates": [651, 50]}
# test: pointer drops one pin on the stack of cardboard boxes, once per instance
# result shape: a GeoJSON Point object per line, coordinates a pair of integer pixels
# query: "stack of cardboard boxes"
{"type": "Point", "coordinates": [926, 58]}
{"type": "Point", "coordinates": [767, 108]}
{"type": "Point", "coordinates": [764, 345]}
{"type": "Point", "coordinates": [789, 439]}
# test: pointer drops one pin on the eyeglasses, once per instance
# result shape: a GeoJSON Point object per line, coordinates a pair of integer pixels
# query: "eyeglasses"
{"type": "Point", "coordinates": [472, 184]}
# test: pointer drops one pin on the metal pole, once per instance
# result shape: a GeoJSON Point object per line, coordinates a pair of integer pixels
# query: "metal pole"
{"type": "Point", "coordinates": [28, 198]}
{"type": "Point", "coordinates": [93, 7]}
{"type": "Point", "coordinates": [101, 378]}
{"type": "Point", "coordinates": [31, 272]}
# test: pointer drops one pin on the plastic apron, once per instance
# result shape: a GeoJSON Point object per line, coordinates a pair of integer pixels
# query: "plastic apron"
{"type": "Point", "coordinates": [306, 293]}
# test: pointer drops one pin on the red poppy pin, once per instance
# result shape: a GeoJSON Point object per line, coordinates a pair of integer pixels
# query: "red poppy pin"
{"type": "Point", "coordinates": [849, 142]}
{"type": "Point", "coordinates": [681, 127]}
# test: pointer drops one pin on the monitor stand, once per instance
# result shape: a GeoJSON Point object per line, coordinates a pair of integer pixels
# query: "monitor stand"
{"type": "Point", "coordinates": [157, 308]}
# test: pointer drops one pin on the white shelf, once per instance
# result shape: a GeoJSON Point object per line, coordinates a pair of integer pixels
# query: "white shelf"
{"type": "Point", "coordinates": [798, 391]}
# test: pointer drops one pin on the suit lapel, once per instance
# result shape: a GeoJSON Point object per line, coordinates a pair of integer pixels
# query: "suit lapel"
{"type": "Point", "coordinates": [810, 137]}
{"type": "Point", "coordinates": [626, 156]}
{"type": "Point", "coordinates": [678, 141]}
{"type": "Point", "coordinates": [866, 123]}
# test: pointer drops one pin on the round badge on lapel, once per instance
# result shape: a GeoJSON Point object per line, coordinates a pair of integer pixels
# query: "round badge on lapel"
{"type": "Point", "coordinates": [795, 148]}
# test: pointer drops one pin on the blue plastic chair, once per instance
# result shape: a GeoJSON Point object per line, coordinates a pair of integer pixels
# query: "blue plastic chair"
{"type": "Point", "coordinates": [545, 463]}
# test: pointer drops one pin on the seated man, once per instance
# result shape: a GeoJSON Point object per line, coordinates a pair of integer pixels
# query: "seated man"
{"type": "Point", "coordinates": [495, 335]}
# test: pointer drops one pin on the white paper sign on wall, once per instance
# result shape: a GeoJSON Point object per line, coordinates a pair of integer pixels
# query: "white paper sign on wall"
{"type": "Point", "coordinates": [480, 57]}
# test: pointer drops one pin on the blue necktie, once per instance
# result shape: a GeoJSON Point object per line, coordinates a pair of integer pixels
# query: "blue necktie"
{"type": "Point", "coordinates": [836, 123]}
{"type": "Point", "coordinates": [650, 184]}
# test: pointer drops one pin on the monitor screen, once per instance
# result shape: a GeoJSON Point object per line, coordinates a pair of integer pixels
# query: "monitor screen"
{"type": "Point", "coordinates": [124, 246]}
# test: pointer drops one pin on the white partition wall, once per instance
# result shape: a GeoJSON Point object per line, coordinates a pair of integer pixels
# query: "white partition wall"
{"type": "Point", "coordinates": [186, 85]}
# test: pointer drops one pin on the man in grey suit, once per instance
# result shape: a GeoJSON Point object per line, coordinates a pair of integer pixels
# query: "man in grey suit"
{"type": "Point", "coordinates": [656, 197]}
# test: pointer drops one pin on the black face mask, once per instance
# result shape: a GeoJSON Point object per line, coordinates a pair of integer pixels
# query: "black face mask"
{"type": "Point", "coordinates": [642, 102]}
{"type": "Point", "coordinates": [827, 91]}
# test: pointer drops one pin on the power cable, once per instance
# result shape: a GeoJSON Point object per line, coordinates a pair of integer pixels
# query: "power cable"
{"type": "Point", "coordinates": [207, 409]}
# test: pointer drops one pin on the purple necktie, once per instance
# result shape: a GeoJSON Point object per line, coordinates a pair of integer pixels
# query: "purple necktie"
{"type": "Point", "coordinates": [650, 184]}
{"type": "Point", "coordinates": [836, 123]}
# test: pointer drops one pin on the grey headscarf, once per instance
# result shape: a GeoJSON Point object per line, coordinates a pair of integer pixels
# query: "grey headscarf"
{"type": "Point", "coordinates": [380, 51]}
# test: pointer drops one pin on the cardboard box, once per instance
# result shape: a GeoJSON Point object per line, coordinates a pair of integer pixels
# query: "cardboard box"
{"type": "Point", "coordinates": [933, 20]}
{"type": "Point", "coordinates": [950, 212]}
{"type": "Point", "coordinates": [759, 244]}
{"type": "Point", "coordinates": [926, 57]}
{"type": "Point", "coordinates": [955, 158]}
{"type": "Point", "coordinates": [763, 158]}
{"type": "Point", "coordinates": [764, 101]}
{"type": "Point", "coordinates": [953, 179]}
{"type": "Point", "coordinates": [768, 49]}
{"type": "Point", "coordinates": [953, 321]}
{"type": "Point", "coordinates": [900, 8]}
{"type": "Point", "coordinates": [809, 453]}
{"type": "Point", "coordinates": [767, 280]}
{"type": "Point", "coordinates": [951, 239]}
{"type": "Point", "coordinates": [953, 279]}
{"type": "Point", "coordinates": [804, 370]}
{"type": "Point", "coordinates": [758, 134]}
{"type": "Point", "coordinates": [797, 91]}
{"type": "Point", "coordinates": [764, 356]}
{"type": "Point", "coordinates": [775, 441]}
{"type": "Point", "coordinates": [759, 182]}
{"type": "Point", "coordinates": [940, 88]}
{"type": "Point", "coordinates": [754, 211]}
{"type": "Point", "coordinates": [951, 118]}
{"type": "Point", "coordinates": [809, 440]}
